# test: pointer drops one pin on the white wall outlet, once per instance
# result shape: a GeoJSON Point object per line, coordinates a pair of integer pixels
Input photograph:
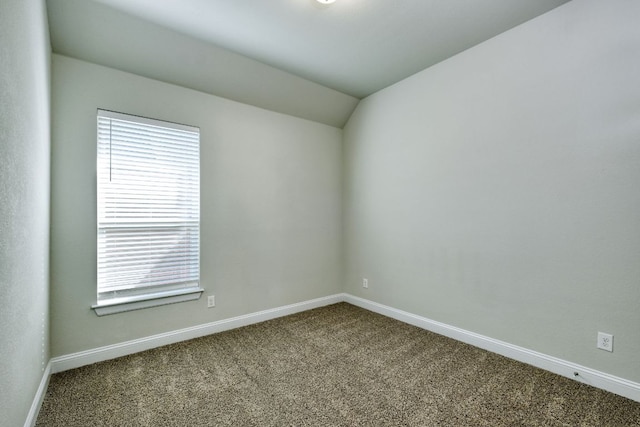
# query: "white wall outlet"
{"type": "Point", "coordinates": [211, 301]}
{"type": "Point", "coordinates": [605, 341]}
{"type": "Point", "coordinates": [365, 283]}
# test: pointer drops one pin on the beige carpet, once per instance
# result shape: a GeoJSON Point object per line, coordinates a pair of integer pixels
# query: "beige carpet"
{"type": "Point", "coordinates": [334, 366]}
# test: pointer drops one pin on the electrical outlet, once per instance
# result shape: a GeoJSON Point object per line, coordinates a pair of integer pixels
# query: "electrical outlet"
{"type": "Point", "coordinates": [605, 341]}
{"type": "Point", "coordinates": [211, 301]}
{"type": "Point", "coordinates": [365, 283]}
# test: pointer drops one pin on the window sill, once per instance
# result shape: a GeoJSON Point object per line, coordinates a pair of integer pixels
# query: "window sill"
{"type": "Point", "coordinates": [129, 304]}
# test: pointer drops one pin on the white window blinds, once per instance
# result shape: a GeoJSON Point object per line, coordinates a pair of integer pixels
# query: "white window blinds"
{"type": "Point", "coordinates": [148, 208]}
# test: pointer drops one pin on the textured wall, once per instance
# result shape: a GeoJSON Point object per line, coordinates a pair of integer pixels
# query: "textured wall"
{"type": "Point", "coordinates": [498, 190]}
{"type": "Point", "coordinates": [270, 205]}
{"type": "Point", "coordinates": [24, 205]}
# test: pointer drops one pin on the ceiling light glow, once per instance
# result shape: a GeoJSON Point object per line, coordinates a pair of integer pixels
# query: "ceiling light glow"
{"type": "Point", "coordinates": [325, 1]}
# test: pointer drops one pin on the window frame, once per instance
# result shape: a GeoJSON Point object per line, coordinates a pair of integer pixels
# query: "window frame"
{"type": "Point", "coordinates": [145, 296]}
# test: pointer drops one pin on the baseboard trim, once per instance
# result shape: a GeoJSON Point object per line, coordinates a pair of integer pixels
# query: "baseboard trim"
{"type": "Point", "coordinates": [611, 383]}
{"type": "Point", "coordinates": [100, 354]}
{"type": "Point", "coordinates": [617, 385]}
{"type": "Point", "coordinates": [32, 416]}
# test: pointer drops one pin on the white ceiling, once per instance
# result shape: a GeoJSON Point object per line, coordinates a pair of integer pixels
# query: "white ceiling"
{"type": "Point", "coordinates": [354, 47]}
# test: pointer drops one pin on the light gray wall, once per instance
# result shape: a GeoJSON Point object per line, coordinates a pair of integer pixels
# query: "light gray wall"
{"type": "Point", "coordinates": [498, 191]}
{"type": "Point", "coordinates": [24, 205]}
{"type": "Point", "coordinates": [270, 205]}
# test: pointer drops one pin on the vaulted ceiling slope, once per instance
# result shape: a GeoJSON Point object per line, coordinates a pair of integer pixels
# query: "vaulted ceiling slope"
{"type": "Point", "coordinates": [292, 56]}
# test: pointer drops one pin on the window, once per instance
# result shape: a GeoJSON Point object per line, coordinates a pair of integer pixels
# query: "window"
{"type": "Point", "coordinates": [148, 212]}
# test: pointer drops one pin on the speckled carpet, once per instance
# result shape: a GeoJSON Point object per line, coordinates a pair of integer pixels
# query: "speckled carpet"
{"type": "Point", "coordinates": [334, 366]}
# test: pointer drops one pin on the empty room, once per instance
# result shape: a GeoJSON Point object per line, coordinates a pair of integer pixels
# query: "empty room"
{"type": "Point", "coordinates": [319, 212]}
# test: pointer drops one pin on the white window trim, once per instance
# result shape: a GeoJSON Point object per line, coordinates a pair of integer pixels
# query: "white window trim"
{"type": "Point", "coordinates": [146, 301]}
{"type": "Point", "coordinates": [153, 298]}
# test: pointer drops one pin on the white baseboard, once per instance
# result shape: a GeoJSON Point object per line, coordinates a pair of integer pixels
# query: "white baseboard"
{"type": "Point", "coordinates": [620, 386]}
{"type": "Point", "coordinates": [32, 416]}
{"type": "Point", "coordinates": [567, 369]}
{"type": "Point", "coordinates": [100, 354]}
